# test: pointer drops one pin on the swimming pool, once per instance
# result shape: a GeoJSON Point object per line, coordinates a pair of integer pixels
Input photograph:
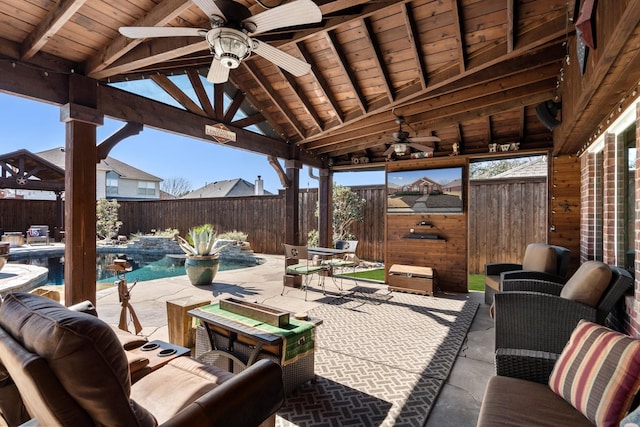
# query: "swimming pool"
{"type": "Point", "coordinates": [145, 266]}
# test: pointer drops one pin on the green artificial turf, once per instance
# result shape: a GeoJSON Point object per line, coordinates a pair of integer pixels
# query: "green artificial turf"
{"type": "Point", "coordinates": [377, 274]}
{"type": "Point", "coordinates": [476, 282]}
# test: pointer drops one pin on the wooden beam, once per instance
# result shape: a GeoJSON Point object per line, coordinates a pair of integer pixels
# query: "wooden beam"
{"type": "Point", "coordinates": [489, 130]}
{"type": "Point", "coordinates": [249, 120]}
{"type": "Point", "coordinates": [275, 98]}
{"type": "Point", "coordinates": [416, 45]}
{"type": "Point", "coordinates": [176, 93]}
{"type": "Point", "coordinates": [459, 24]}
{"type": "Point", "coordinates": [218, 100]}
{"type": "Point", "coordinates": [159, 16]}
{"type": "Point", "coordinates": [511, 22]}
{"type": "Point", "coordinates": [382, 121]}
{"type": "Point", "coordinates": [201, 93]}
{"type": "Point", "coordinates": [107, 145]}
{"type": "Point", "coordinates": [323, 84]}
{"type": "Point", "coordinates": [49, 26]}
{"type": "Point", "coordinates": [127, 106]}
{"type": "Point", "coordinates": [353, 82]}
{"type": "Point", "coordinates": [303, 98]}
{"type": "Point", "coordinates": [451, 114]}
{"type": "Point", "coordinates": [378, 58]}
{"type": "Point", "coordinates": [233, 108]}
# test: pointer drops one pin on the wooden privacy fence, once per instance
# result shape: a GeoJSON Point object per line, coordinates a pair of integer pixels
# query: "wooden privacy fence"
{"type": "Point", "coordinates": [504, 217]}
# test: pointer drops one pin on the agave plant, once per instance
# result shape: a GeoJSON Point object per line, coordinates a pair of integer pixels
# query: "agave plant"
{"type": "Point", "coordinates": [201, 241]}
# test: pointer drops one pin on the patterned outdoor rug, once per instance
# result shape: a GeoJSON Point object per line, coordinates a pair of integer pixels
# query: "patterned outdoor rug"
{"type": "Point", "coordinates": [381, 363]}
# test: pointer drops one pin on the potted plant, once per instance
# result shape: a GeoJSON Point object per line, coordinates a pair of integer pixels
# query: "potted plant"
{"type": "Point", "coordinates": [202, 259]}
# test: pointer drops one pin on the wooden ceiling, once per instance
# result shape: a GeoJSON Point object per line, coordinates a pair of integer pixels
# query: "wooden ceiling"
{"type": "Point", "coordinates": [470, 72]}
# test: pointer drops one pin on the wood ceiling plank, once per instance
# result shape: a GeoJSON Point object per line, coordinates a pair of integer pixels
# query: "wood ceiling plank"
{"type": "Point", "coordinates": [337, 51]}
{"type": "Point", "coordinates": [323, 85]}
{"type": "Point", "coordinates": [55, 19]}
{"type": "Point", "coordinates": [304, 99]}
{"type": "Point", "coordinates": [160, 15]}
{"type": "Point", "coordinates": [378, 58]}
{"type": "Point", "coordinates": [274, 97]}
{"type": "Point", "coordinates": [414, 41]}
{"type": "Point", "coordinates": [511, 20]}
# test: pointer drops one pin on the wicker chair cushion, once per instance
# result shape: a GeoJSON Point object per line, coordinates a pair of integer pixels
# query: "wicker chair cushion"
{"type": "Point", "coordinates": [598, 373]}
{"type": "Point", "coordinates": [588, 283]}
{"type": "Point", "coordinates": [540, 257]}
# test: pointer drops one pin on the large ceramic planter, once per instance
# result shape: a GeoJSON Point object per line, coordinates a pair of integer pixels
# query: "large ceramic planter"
{"type": "Point", "coordinates": [201, 269]}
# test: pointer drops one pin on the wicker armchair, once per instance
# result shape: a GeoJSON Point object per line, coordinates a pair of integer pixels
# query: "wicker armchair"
{"type": "Point", "coordinates": [532, 327]}
{"type": "Point", "coordinates": [540, 262]}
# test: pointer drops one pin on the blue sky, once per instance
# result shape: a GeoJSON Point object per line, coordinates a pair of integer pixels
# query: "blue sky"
{"type": "Point", "coordinates": [36, 126]}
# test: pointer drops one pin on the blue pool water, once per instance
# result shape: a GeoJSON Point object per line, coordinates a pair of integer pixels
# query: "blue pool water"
{"type": "Point", "coordinates": [145, 267]}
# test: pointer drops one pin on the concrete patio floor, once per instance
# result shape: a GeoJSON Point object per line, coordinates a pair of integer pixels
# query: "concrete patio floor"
{"type": "Point", "coordinates": [459, 401]}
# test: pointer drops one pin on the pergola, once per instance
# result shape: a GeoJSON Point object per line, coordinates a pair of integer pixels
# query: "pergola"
{"type": "Point", "coordinates": [468, 72]}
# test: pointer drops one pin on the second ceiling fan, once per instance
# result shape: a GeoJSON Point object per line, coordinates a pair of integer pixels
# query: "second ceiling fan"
{"type": "Point", "coordinates": [232, 27]}
{"type": "Point", "coordinates": [402, 141]}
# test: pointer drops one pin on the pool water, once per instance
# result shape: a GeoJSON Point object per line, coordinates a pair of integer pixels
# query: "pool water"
{"type": "Point", "coordinates": [145, 267]}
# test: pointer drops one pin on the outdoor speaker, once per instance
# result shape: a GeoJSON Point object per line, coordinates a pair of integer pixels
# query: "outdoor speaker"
{"type": "Point", "coordinates": [547, 111]}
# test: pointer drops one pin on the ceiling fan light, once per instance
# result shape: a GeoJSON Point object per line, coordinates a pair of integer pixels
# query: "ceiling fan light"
{"type": "Point", "coordinates": [230, 46]}
{"type": "Point", "coordinates": [400, 148]}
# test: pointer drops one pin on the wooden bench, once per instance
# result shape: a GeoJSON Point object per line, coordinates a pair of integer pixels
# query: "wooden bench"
{"type": "Point", "coordinates": [413, 279]}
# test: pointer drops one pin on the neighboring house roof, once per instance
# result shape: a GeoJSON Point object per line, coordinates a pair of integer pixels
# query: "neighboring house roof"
{"type": "Point", "coordinates": [533, 168]}
{"type": "Point", "coordinates": [229, 188]}
{"type": "Point", "coordinates": [56, 156]}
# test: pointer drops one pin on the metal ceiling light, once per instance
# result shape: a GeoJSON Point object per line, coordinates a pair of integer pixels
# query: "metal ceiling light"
{"type": "Point", "coordinates": [230, 46]}
{"type": "Point", "coordinates": [400, 148]}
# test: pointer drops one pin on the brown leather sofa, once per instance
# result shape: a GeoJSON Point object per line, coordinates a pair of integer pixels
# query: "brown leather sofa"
{"type": "Point", "coordinates": [71, 369]}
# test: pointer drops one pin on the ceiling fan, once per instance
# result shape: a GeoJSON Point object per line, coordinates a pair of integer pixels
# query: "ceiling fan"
{"type": "Point", "coordinates": [402, 141]}
{"type": "Point", "coordinates": [232, 27]}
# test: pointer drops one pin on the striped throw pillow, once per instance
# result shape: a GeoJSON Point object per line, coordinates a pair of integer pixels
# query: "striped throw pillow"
{"type": "Point", "coordinates": [598, 373]}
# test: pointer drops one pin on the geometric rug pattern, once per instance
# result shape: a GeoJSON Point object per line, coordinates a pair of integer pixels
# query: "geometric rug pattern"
{"type": "Point", "coordinates": [379, 362]}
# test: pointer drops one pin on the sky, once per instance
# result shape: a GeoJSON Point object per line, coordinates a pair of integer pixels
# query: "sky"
{"type": "Point", "coordinates": [36, 126]}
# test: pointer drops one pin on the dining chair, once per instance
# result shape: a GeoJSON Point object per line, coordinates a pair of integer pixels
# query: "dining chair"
{"type": "Point", "coordinates": [302, 266]}
{"type": "Point", "coordinates": [347, 260]}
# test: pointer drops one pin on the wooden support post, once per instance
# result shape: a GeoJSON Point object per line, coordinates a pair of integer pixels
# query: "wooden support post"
{"type": "Point", "coordinates": [81, 118]}
{"type": "Point", "coordinates": [325, 208]}
{"type": "Point", "coordinates": [292, 206]}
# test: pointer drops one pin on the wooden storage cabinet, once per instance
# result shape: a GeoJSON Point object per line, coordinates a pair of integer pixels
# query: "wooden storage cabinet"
{"type": "Point", "coordinates": [408, 278]}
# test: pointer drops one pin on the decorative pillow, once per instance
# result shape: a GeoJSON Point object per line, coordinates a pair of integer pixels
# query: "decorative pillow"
{"type": "Point", "coordinates": [598, 373]}
{"type": "Point", "coordinates": [540, 257]}
{"type": "Point", "coordinates": [588, 283]}
{"type": "Point", "coordinates": [34, 232]}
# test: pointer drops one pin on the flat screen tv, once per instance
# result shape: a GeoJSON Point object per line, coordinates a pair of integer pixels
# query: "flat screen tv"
{"type": "Point", "coordinates": [425, 191]}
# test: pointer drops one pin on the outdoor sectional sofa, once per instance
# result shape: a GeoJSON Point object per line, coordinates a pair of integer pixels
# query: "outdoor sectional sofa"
{"type": "Point", "coordinates": [71, 369]}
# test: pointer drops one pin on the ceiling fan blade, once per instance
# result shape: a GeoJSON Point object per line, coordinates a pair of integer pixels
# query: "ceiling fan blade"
{"type": "Point", "coordinates": [144, 32]}
{"type": "Point", "coordinates": [209, 8]}
{"type": "Point", "coordinates": [389, 150]}
{"type": "Point", "coordinates": [298, 12]}
{"type": "Point", "coordinates": [218, 73]}
{"type": "Point", "coordinates": [423, 148]}
{"type": "Point", "coordinates": [423, 139]}
{"type": "Point", "coordinates": [282, 59]}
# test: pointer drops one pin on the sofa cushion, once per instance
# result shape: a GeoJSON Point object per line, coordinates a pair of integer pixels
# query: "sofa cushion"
{"type": "Point", "coordinates": [598, 373]}
{"type": "Point", "coordinates": [588, 283]}
{"type": "Point", "coordinates": [515, 402]}
{"type": "Point", "coordinates": [540, 257]}
{"type": "Point", "coordinates": [82, 351]}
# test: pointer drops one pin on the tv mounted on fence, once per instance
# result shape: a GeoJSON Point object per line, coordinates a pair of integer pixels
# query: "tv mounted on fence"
{"type": "Point", "coordinates": [425, 191]}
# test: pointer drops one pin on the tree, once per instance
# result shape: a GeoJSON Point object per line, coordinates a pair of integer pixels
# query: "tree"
{"type": "Point", "coordinates": [107, 223]}
{"type": "Point", "coordinates": [176, 186]}
{"type": "Point", "coordinates": [347, 209]}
